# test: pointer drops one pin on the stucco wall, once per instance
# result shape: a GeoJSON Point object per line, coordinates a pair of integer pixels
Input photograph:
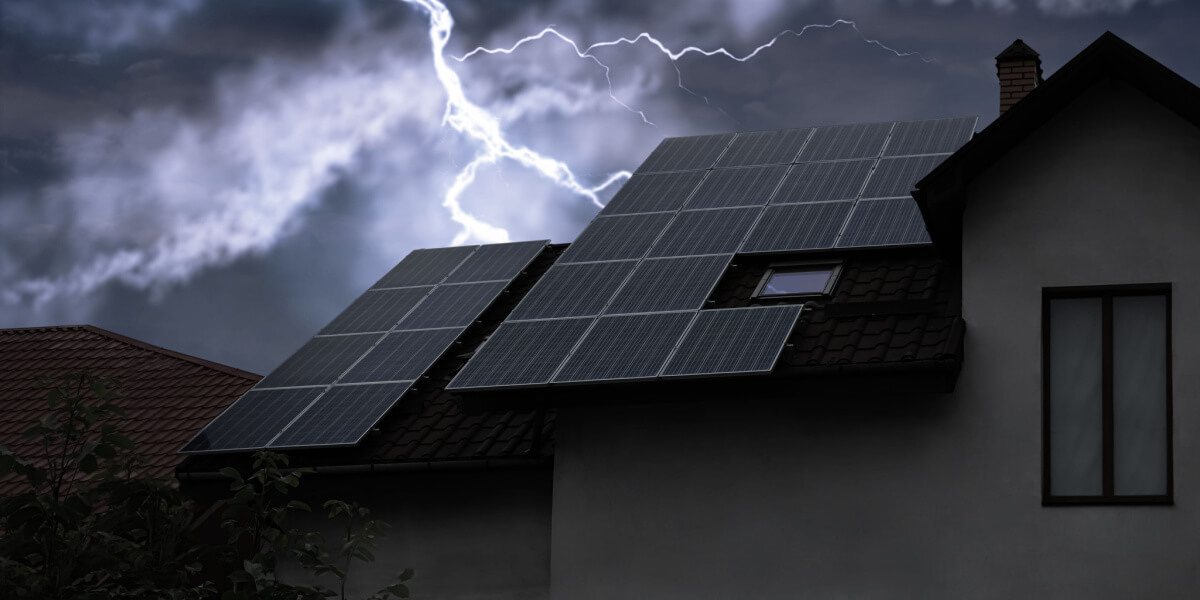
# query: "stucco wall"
{"type": "Point", "coordinates": [469, 535]}
{"type": "Point", "coordinates": [919, 497]}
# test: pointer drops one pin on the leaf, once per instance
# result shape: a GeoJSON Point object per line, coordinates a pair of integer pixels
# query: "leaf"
{"type": "Point", "coordinates": [406, 574]}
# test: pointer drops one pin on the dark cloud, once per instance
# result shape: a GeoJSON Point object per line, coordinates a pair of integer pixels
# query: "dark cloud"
{"type": "Point", "coordinates": [221, 177]}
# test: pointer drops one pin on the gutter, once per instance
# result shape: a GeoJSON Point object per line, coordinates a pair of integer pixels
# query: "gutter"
{"type": "Point", "coordinates": [396, 467]}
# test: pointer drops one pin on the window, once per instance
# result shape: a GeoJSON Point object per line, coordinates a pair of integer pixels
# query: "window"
{"type": "Point", "coordinates": [1106, 396]}
{"type": "Point", "coordinates": [798, 279]}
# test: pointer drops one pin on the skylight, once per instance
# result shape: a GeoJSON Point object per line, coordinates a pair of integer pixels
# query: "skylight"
{"type": "Point", "coordinates": [803, 280]}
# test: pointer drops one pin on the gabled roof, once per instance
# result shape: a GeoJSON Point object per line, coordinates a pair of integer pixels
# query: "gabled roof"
{"type": "Point", "coordinates": [941, 194]}
{"type": "Point", "coordinates": [169, 396]}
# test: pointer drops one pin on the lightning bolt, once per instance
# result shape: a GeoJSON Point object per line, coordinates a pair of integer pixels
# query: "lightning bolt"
{"type": "Point", "coordinates": [675, 55]}
{"type": "Point", "coordinates": [471, 120]}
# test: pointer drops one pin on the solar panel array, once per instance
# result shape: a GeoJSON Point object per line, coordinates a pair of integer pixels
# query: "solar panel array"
{"type": "Point", "coordinates": [624, 302]}
{"type": "Point", "coordinates": [342, 381]}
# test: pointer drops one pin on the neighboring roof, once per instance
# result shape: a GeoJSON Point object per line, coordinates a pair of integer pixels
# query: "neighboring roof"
{"type": "Point", "coordinates": [941, 194]}
{"type": "Point", "coordinates": [168, 396]}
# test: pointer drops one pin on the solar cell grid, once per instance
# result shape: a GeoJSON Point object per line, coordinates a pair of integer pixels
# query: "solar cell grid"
{"type": "Point", "coordinates": [573, 290]}
{"type": "Point", "coordinates": [521, 353]}
{"type": "Point", "coordinates": [425, 266]}
{"type": "Point", "coordinates": [320, 361]}
{"type": "Point", "coordinates": [746, 186]}
{"type": "Point", "coordinates": [930, 137]}
{"type": "Point", "coordinates": [342, 416]}
{"type": "Point", "coordinates": [895, 221]}
{"type": "Point", "coordinates": [402, 355]}
{"type": "Point", "coordinates": [453, 305]}
{"type": "Point", "coordinates": [493, 262]}
{"type": "Point", "coordinates": [253, 420]}
{"type": "Point", "coordinates": [820, 182]}
{"type": "Point", "coordinates": [764, 148]}
{"type": "Point", "coordinates": [696, 232]}
{"type": "Point", "coordinates": [616, 238]}
{"type": "Point", "coordinates": [862, 140]}
{"type": "Point", "coordinates": [654, 192]}
{"type": "Point", "coordinates": [798, 227]}
{"type": "Point", "coordinates": [376, 310]}
{"type": "Point", "coordinates": [686, 153]}
{"type": "Point", "coordinates": [625, 347]}
{"type": "Point", "coordinates": [733, 340]}
{"type": "Point", "coordinates": [896, 177]}
{"type": "Point", "coordinates": [664, 284]}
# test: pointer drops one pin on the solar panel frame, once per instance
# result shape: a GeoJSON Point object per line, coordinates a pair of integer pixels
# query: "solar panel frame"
{"type": "Point", "coordinates": [620, 237]}
{"type": "Point", "coordinates": [494, 262]}
{"type": "Point", "coordinates": [686, 153]}
{"type": "Point", "coordinates": [823, 181]}
{"type": "Point", "coordinates": [376, 310]}
{"type": "Point", "coordinates": [718, 344]}
{"type": "Point", "coordinates": [625, 347]}
{"type": "Point", "coordinates": [737, 187]}
{"type": "Point", "coordinates": [885, 222]}
{"type": "Point", "coordinates": [235, 430]}
{"type": "Point", "coordinates": [794, 227]}
{"type": "Point", "coordinates": [573, 290]}
{"type": "Point", "coordinates": [896, 177]}
{"type": "Point", "coordinates": [669, 284]}
{"type": "Point", "coordinates": [653, 192]}
{"type": "Point", "coordinates": [453, 305]}
{"type": "Point", "coordinates": [342, 416]}
{"type": "Point", "coordinates": [402, 355]}
{"type": "Point", "coordinates": [765, 148]}
{"type": "Point", "coordinates": [699, 232]}
{"type": "Point", "coordinates": [424, 266]}
{"type": "Point", "coordinates": [937, 136]}
{"type": "Point", "coordinates": [537, 347]}
{"type": "Point", "coordinates": [320, 361]}
{"type": "Point", "coordinates": [843, 142]}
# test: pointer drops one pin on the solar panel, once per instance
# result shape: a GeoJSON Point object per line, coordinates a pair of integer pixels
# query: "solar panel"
{"type": "Point", "coordinates": [402, 355]}
{"type": "Point", "coordinates": [425, 266]}
{"type": "Point", "coordinates": [686, 153]}
{"type": "Point", "coordinates": [376, 310]}
{"type": "Point", "coordinates": [930, 137]}
{"type": "Point", "coordinates": [521, 353]}
{"type": "Point", "coordinates": [453, 305]}
{"type": "Point", "coordinates": [746, 186]}
{"type": "Point", "coordinates": [320, 361]}
{"type": "Point", "coordinates": [253, 420]}
{"type": "Point", "coordinates": [694, 232]}
{"type": "Point", "coordinates": [819, 182]}
{"type": "Point", "coordinates": [573, 290]}
{"type": "Point", "coordinates": [863, 140]}
{"type": "Point", "coordinates": [896, 177]}
{"type": "Point", "coordinates": [616, 238]}
{"type": "Point", "coordinates": [663, 284]}
{"type": "Point", "coordinates": [797, 227]}
{"type": "Point", "coordinates": [625, 347]}
{"type": "Point", "coordinates": [342, 416]}
{"type": "Point", "coordinates": [764, 148]}
{"type": "Point", "coordinates": [495, 262]}
{"type": "Point", "coordinates": [655, 192]}
{"type": "Point", "coordinates": [734, 340]}
{"type": "Point", "coordinates": [895, 221]}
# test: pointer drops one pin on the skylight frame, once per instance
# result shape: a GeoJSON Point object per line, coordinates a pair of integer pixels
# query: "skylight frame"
{"type": "Point", "coordinates": [833, 266]}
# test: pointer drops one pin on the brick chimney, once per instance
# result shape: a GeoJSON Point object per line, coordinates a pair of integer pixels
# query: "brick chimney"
{"type": "Point", "coordinates": [1020, 70]}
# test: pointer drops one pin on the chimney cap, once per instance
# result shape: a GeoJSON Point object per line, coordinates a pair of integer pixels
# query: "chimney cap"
{"type": "Point", "coordinates": [1018, 50]}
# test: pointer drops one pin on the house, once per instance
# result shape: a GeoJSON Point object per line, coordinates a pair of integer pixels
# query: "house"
{"type": "Point", "coordinates": [766, 370]}
{"type": "Point", "coordinates": [168, 396]}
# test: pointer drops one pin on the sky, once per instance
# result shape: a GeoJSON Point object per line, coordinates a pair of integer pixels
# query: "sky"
{"type": "Point", "coordinates": [222, 177]}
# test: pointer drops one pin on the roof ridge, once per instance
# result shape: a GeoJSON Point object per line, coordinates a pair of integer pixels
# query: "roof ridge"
{"type": "Point", "coordinates": [226, 369]}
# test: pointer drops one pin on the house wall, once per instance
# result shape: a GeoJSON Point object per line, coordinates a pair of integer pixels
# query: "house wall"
{"type": "Point", "coordinates": [477, 535]}
{"type": "Point", "coordinates": [911, 496]}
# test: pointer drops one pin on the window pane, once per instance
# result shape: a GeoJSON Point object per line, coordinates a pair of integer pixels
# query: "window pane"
{"type": "Point", "coordinates": [796, 282]}
{"type": "Point", "coordinates": [1076, 411]}
{"type": "Point", "coordinates": [1140, 395]}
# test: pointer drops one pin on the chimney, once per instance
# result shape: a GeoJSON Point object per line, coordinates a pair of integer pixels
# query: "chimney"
{"type": "Point", "coordinates": [1020, 70]}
